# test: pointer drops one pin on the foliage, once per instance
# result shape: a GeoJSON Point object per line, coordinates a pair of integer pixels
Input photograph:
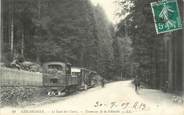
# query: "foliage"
{"type": "Point", "coordinates": [104, 36]}
{"type": "Point", "coordinates": [13, 96]}
{"type": "Point", "coordinates": [60, 30]}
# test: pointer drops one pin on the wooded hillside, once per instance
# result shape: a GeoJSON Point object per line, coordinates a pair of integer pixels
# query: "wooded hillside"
{"type": "Point", "coordinates": [72, 31]}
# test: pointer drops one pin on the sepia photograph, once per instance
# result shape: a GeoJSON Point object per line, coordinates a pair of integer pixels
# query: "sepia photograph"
{"type": "Point", "coordinates": [91, 57]}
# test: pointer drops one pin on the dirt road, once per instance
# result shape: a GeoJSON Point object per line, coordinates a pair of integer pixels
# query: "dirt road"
{"type": "Point", "coordinates": [114, 99]}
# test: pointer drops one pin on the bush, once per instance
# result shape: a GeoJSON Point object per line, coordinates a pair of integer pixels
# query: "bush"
{"type": "Point", "coordinates": [14, 96]}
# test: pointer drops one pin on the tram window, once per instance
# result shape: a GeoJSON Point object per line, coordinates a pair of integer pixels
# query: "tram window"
{"type": "Point", "coordinates": [58, 67]}
{"type": "Point", "coordinates": [53, 80]}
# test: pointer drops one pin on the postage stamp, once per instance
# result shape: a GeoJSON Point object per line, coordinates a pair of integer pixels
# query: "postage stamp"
{"type": "Point", "coordinates": [166, 16]}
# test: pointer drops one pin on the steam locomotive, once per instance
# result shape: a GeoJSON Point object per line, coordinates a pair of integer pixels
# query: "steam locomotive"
{"type": "Point", "coordinates": [60, 78]}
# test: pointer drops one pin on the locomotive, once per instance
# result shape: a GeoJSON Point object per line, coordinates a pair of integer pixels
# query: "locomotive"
{"type": "Point", "coordinates": [60, 78]}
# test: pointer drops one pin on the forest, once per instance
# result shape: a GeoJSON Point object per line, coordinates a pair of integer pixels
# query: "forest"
{"type": "Point", "coordinates": [60, 30]}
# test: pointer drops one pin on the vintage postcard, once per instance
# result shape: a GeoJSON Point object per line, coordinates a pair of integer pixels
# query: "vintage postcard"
{"type": "Point", "coordinates": [91, 57]}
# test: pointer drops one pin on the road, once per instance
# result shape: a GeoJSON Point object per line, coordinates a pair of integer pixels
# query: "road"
{"type": "Point", "coordinates": [115, 98]}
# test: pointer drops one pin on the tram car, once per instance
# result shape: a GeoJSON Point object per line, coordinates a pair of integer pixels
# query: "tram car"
{"type": "Point", "coordinates": [86, 78]}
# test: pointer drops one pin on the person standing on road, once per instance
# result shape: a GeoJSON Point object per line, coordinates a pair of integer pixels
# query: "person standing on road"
{"type": "Point", "coordinates": [102, 82]}
{"type": "Point", "coordinates": [136, 83]}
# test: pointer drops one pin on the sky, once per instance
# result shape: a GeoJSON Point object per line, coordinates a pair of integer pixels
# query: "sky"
{"type": "Point", "coordinates": [109, 7]}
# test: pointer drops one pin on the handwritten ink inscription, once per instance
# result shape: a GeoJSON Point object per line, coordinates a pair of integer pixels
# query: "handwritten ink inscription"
{"type": "Point", "coordinates": [125, 107]}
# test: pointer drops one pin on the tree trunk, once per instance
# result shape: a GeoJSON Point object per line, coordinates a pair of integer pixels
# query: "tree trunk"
{"type": "Point", "coordinates": [170, 65]}
{"type": "Point", "coordinates": [183, 58]}
{"type": "Point", "coordinates": [38, 59]}
{"type": "Point", "coordinates": [1, 33]}
{"type": "Point", "coordinates": [22, 43]}
{"type": "Point", "coordinates": [12, 36]}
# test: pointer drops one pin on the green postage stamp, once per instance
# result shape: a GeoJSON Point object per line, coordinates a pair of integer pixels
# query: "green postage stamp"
{"type": "Point", "coordinates": [166, 16]}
